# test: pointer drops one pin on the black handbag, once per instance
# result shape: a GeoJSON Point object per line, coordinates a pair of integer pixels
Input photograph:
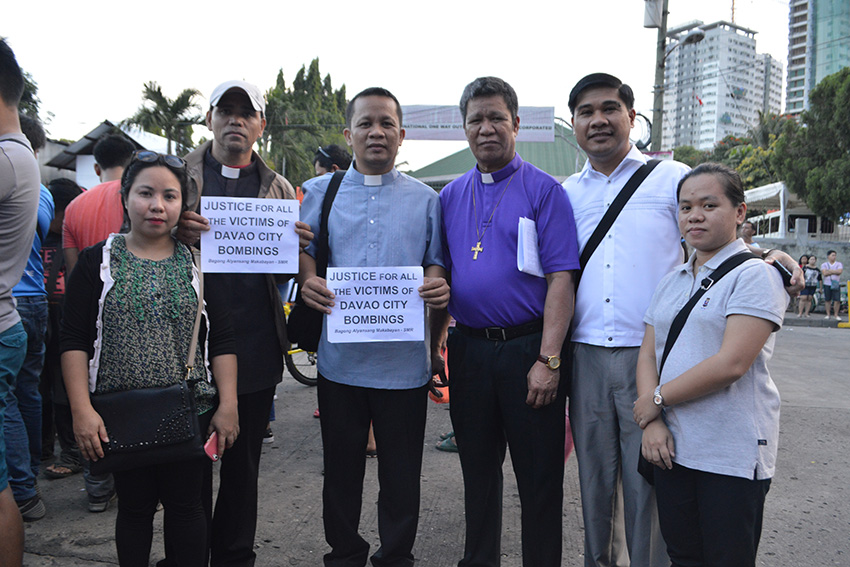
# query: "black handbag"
{"type": "Point", "coordinates": [151, 426]}
{"type": "Point", "coordinates": [304, 324]}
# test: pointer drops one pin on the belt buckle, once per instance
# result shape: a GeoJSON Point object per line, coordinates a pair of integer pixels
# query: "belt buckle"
{"type": "Point", "coordinates": [495, 334]}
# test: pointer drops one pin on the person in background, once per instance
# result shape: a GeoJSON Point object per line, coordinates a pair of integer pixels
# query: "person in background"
{"type": "Point", "coordinates": [98, 212]}
{"type": "Point", "coordinates": [56, 413]}
{"type": "Point", "coordinates": [331, 158]}
{"type": "Point", "coordinates": [813, 281]}
{"type": "Point", "coordinates": [748, 230]}
{"type": "Point", "coordinates": [23, 414]}
{"type": "Point", "coordinates": [831, 271]}
{"type": "Point", "coordinates": [19, 196]}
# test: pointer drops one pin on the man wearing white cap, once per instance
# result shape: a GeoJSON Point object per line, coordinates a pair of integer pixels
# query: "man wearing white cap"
{"type": "Point", "coordinates": [227, 166]}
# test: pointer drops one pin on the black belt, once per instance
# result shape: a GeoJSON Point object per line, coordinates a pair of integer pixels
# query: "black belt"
{"type": "Point", "coordinates": [502, 333]}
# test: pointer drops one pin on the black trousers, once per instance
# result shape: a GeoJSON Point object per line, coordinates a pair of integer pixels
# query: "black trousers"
{"type": "Point", "coordinates": [234, 522]}
{"type": "Point", "coordinates": [708, 519]}
{"type": "Point", "coordinates": [398, 418]}
{"type": "Point", "coordinates": [488, 388]}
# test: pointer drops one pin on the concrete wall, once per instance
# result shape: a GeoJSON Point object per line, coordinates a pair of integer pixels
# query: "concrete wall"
{"type": "Point", "coordinates": [798, 247]}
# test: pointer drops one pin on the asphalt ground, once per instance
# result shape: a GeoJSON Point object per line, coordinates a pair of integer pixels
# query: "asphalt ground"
{"type": "Point", "coordinates": [807, 515]}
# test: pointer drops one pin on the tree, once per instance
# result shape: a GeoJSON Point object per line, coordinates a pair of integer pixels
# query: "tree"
{"type": "Point", "coordinates": [689, 155]}
{"type": "Point", "coordinates": [29, 100]}
{"type": "Point", "coordinates": [301, 118]}
{"type": "Point", "coordinates": [172, 119]}
{"type": "Point", "coordinates": [814, 159]}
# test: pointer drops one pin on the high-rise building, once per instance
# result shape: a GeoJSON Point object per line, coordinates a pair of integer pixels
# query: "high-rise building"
{"type": "Point", "coordinates": [716, 87]}
{"type": "Point", "coordinates": [818, 45]}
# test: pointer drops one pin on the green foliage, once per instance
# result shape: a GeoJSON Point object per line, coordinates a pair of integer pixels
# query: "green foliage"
{"type": "Point", "coordinates": [814, 159]}
{"type": "Point", "coordinates": [172, 119]}
{"type": "Point", "coordinates": [29, 101]}
{"type": "Point", "coordinates": [301, 118]}
{"type": "Point", "coordinates": [689, 155]}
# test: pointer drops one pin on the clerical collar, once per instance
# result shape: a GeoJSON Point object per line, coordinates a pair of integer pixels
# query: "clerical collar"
{"type": "Point", "coordinates": [372, 180]}
{"type": "Point", "coordinates": [230, 172]}
{"type": "Point", "coordinates": [504, 173]}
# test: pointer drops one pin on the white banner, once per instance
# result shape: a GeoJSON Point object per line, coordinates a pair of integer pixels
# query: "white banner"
{"type": "Point", "coordinates": [428, 122]}
{"type": "Point", "coordinates": [376, 305]}
{"type": "Point", "coordinates": [249, 235]}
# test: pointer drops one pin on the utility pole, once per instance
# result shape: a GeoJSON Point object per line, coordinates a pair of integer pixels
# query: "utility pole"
{"type": "Point", "coordinates": [658, 89]}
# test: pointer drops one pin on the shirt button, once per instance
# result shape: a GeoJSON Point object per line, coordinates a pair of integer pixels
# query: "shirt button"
{"type": "Point", "coordinates": [373, 197]}
{"type": "Point", "coordinates": [607, 300]}
{"type": "Point", "coordinates": [372, 245]}
{"type": "Point", "coordinates": [607, 265]}
{"type": "Point", "coordinates": [610, 339]}
{"type": "Point", "coordinates": [371, 221]}
{"type": "Point", "coordinates": [610, 235]}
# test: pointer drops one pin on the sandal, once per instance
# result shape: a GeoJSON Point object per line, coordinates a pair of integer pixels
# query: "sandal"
{"type": "Point", "coordinates": [448, 445]}
{"type": "Point", "coordinates": [62, 470]}
{"type": "Point", "coordinates": [449, 435]}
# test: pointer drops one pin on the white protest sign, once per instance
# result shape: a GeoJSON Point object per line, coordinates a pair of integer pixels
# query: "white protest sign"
{"type": "Point", "coordinates": [249, 235]}
{"type": "Point", "coordinates": [376, 305]}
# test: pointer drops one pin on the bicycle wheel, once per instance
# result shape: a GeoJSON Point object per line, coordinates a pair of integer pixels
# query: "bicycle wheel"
{"type": "Point", "coordinates": [302, 365]}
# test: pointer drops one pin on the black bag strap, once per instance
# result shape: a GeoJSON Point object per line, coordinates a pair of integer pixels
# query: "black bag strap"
{"type": "Point", "coordinates": [615, 209]}
{"type": "Point", "coordinates": [18, 142]}
{"type": "Point", "coordinates": [679, 321]}
{"type": "Point", "coordinates": [323, 245]}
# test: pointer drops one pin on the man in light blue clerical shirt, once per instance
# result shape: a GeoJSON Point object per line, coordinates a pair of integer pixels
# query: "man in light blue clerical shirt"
{"type": "Point", "coordinates": [380, 218]}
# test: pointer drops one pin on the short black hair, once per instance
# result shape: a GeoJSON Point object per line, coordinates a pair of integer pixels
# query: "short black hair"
{"type": "Point", "coordinates": [733, 187]}
{"type": "Point", "coordinates": [331, 155]}
{"type": "Point", "coordinates": [489, 86]}
{"type": "Point", "coordinates": [113, 150]}
{"type": "Point", "coordinates": [600, 80]}
{"type": "Point", "coordinates": [371, 91]}
{"type": "Point", "coordinates": [64, 191]}
{"type": "Point", "coordinates": [11, 76]}
{"type": "Point", "coordinates": [34, 132]}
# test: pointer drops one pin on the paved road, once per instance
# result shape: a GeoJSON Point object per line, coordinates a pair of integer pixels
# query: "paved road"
{"type": "Point", "coordinates": [807, 517]}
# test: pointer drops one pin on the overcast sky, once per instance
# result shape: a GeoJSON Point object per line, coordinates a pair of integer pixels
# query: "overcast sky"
{"type": "Point", "coordinates": [91, 58]}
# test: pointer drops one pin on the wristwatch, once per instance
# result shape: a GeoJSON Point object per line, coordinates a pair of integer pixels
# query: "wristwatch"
{"type": "Point", "coordinates": [657, 398]}
{"type": "Point", "coordinates": [551, 362]}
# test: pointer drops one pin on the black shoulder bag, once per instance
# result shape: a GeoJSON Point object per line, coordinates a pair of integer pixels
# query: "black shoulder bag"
{"type": "Point", "coordinates": [645, 468]}
{"type": "Point", "coordinates": [304, 324]}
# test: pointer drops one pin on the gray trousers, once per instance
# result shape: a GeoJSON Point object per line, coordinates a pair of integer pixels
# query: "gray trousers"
{"type": "Point", "coordinates": [607, 443]}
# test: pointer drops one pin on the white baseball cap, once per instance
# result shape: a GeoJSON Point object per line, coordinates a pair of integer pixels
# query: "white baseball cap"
{"type": "Point", "coordinates": [253, 92]}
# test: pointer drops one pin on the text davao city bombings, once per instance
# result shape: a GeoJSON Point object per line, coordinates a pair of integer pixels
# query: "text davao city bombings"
{"type": "Point", "coordinates": [249, 235]}
{"type": "Point", "coordinates": [376, 305]}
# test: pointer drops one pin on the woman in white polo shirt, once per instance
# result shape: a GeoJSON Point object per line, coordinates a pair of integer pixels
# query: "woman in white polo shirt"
{"type": "Point", "coordinates": [714, 448]}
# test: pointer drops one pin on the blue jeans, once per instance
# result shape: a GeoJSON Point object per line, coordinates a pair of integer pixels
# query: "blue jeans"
{"type": "Point", "coordinates": [23, 415]}
{"type": "Point", "coordinates": [13, 348]}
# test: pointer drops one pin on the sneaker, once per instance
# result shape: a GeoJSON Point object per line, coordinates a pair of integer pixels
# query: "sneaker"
{"type": "Point", "coordinates": [268, 437]}
{"type": "Point", "coordinates": [98, 505]}
{"type": "Point", "coordinates": [32, 509]}
{"type": "Point", "coordinates": [316, 413]}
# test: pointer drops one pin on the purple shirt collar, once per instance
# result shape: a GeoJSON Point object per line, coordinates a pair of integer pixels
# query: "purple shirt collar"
{"type": "Point", "coordinates": [498, 176]}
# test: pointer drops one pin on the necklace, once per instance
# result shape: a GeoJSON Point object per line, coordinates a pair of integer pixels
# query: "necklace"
{"type": "Point", "coordinates": [480, 235]}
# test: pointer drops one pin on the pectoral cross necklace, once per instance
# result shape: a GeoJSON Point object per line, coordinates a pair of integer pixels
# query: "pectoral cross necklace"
{"type": "Point", "coordinates": [478, 232]}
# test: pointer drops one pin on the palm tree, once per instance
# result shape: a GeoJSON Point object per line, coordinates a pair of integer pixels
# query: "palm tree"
{"type": "Point", "coordinates": [172, 119]}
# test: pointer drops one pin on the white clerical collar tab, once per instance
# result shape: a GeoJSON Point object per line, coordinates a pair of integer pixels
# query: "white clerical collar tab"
{"type": "Point", "coordinates": [229, 172]}
{"type": "Point", "coordinates": [487, 178]}
{"type": "Point", "coordinates": [373, 180]}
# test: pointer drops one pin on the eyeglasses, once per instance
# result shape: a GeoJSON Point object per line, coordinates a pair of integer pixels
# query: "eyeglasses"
{"type": "Point", "coordinates": [324, 153]}
{"type": "Point", "coordinates": [147, 156]}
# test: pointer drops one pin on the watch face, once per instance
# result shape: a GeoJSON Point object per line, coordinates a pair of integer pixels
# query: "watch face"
{"type": "Point", "coordinates": [657, 399]}
{"type": "Point", "coordinates": [554, 362]}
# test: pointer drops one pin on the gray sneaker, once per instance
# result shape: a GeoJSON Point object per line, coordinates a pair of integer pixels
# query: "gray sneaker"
{"type": "Point", "coordinates": [98, 505]}
{"type": "Point", "coordinates": [32, 509]}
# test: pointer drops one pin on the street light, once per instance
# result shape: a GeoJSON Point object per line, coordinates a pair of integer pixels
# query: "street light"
{"type": "Point", "coordinates": [661, 54]}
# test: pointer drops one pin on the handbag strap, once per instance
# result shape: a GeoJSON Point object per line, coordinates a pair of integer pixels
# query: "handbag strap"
{"type": "Point", "coordinates": [323, 245]}
{"type": "Point", "coordinates": [193, 344]}
{"type": "Point", "coordinates": [676, 327]}
{"type": "Point", "coordinates": [614, 211]}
